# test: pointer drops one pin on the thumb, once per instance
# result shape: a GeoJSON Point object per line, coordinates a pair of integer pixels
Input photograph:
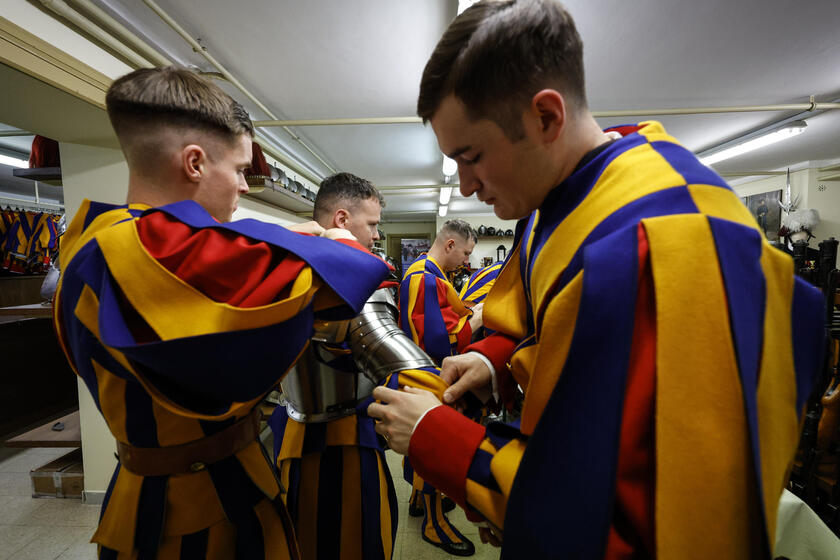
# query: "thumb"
{"type": "Point", "coordinates": [455, 391]}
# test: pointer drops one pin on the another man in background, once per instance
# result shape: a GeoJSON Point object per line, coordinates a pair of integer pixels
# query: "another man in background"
{"type": "Point", "coordinates": [664, 347]}
{"type": "Point", "coordinates": [433, 315]}
{"type": "Point", "coordinates": [179, 323]}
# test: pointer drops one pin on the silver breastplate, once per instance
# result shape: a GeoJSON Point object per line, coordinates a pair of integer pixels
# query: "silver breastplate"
{"type": "Point", "coordinates": [346, 360]}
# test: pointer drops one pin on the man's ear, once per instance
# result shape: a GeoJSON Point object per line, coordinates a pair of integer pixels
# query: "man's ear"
{"type": "Point", "coordinates": [549, 107]}
{"type": "Point", "coordinates": [193, 162]}
{"type": "Point", "coordinates": [340, 218]}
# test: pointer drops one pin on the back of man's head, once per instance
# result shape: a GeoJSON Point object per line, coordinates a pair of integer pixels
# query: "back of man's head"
{"type": "Point", "coordinates": [497, 54]}
{"type": "Point", "coordinates": [342, 190]}
{"type": "Point", "coordinates": [457, 228]}
{"type": "Point", "coordinates": [147, 103]}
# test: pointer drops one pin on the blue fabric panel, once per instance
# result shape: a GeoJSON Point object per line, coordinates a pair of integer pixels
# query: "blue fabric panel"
{"type": "Point", "coordinates": [150, 512]}
{"type": "Point", "coordinates": [581, 424]}
{"type": "Point", "coordinates": [739, 250]}
{"type": "Point", "coordinates": [435, 336]}
{"type": "Point", "coordinates": [97, 208]}
{"type": "Point", "coordinates": [686, 164]}
{"type": "Point", "coordinates": [194, 545]}
{"type": "Point", "coordinates": [480, 470]}
{"type": "Point", "coordinates": [293, 491]}
{"type": "Point", "coordinates": [277, 422]}
{"type": "Point", "coordinates": [329, 504]}
{"type": "Point", "coordinates": [140, 424]}
{"type": "Point", "coordinates": [371, 538]}
{"type": "Point", "coordinates": [808, 338]}
{"type": "Point", "coordinates": [676, 200]}
{"type": "Point", "coordinates": [329, 259]}
{"type": "Point", "coordinates": [315, 438]}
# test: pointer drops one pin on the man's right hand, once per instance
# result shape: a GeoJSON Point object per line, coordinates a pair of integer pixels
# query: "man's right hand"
{"type": "Point", "coordinates": [311, 227]}
{"type": "Point", "coordinates": [466, 372]}
{"type": "Point", "coordinates": [477, 319]}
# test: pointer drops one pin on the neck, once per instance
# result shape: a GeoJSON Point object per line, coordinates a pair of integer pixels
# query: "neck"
{"type": "Point", "coordinates": [436, 253]}
{"type": "Point", "coordinates": [581, 136]}
{"type": "Point", "coordinates": [144, 190]}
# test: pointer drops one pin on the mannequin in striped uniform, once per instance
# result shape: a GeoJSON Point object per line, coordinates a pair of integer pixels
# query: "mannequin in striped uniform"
{"type": "Point", "coordinates": [664, 347]}
{"type": "Point", "coordinates": [179, 322]}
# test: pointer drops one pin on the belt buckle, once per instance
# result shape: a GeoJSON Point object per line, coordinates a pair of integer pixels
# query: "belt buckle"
{"type": "Point", "coordinates": [197, 466]}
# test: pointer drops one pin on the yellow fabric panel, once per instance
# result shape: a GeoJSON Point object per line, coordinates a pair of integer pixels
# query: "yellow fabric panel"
{"type": "Point", "coordinates": [385, 520]}
{"type": "Point", "coordinates": [491, 504]}
{"type": "Point", "coordinates": [351, 505]}
{"type": "Point", "coordinates": [344, 431]}
{"type": "Point", "coordinates": [555, 334]}
{"type": "Point", "coordinates": [191, 504]}
{"type": "Point", "coordinates": [111, 400]}
{"type": "Point", "coordinates": [721, 203]}
{"type": "Point", "coordinates": [259, 470]}
{"type": "Point", "coordinates": [221, 541]}
{"type": "Point", "coordinates": [292, 446]}
{"type": "Point", "coordinates": [285, 468]}
{"type": "Point", "coordinates": [651, 173]}
{"type": "Point", "coordinates": [125, 254]}
{"type": "Point", "coordinates": [307, 519]}
{"type": "Point", "coordinates": [174, 429]}
{"type": "Point", "coordinates": [422, 379]}
{"type": "Point", "coordinates": [505, 463]}
{"type": "Point", "coordinates": [504, 308]}
{"type": "Point", "coordinates": [701, 430]}
{"type": "Point", "coordinates": [116, 528]}
{"type": "Point", "coordinates": [522, 363]}
{"type": "Point", "coordinates": [655, 132]}
{"type": "Point", "coordinates": [274, 534]}
{"type": "Point", "coordinates": [87, 310]}
{"type": "Point", "coordinates": [778, 422]}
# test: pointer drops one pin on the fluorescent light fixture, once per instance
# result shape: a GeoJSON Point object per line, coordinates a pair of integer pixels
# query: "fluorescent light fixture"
{"type": "Point", "coordinates": [449, 167]}
{"type": "Point", "coordinates": [464, 4]}
{"type": "Point", "coordinates": [14, 162]}
{"type": "Point", "coordinates": [442, 211]}
{"type": "Point", "coordinates": [788, 131]}
{"type": "Point", "coordinates": [445, 195]}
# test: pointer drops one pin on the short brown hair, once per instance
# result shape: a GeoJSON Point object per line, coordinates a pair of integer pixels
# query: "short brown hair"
{"type": "Point", "coordinates": [460, 228]}
{"type": "Point", "coordinates": [499, 53]}
{"type": "Point", "coordinates": [170, 96]}
{"type": "Point", "coordinates": [342, 188]}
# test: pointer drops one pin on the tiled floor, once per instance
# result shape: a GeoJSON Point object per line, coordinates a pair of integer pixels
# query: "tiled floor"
{"type": "Point", "coordinates": [47, 529]}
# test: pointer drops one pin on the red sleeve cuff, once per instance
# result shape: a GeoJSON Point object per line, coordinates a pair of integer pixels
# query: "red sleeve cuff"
{"type": "Point", "coordinates": [498, 348]}
{"type": "Point", "coordinates": [442, 448]}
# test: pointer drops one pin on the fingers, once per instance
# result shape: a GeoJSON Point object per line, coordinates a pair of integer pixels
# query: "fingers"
{"type": "Point", "coordinates": [456, 390]}
{"type": "Point", "coordinates": [311, 227]}
{"type": "Point", "coordinates": [339, 233]}
{"type": "Point", "coordinates": [385, 394]}
{"type": "Point", "coordinates": [449, 370]}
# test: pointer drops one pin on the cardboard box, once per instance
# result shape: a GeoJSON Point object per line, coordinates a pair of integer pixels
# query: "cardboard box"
{"type": "Point", "coordinates": [61, 478]}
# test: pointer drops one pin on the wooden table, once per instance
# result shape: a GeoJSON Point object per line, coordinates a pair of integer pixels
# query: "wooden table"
{"type": "Point", "coordinates": [30, 310]}
{"type": "Point", "coordinates": [45, 436]}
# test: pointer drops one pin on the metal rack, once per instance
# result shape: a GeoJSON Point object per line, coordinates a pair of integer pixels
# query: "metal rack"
{"type": "Point", "coordinates": [35, 206]}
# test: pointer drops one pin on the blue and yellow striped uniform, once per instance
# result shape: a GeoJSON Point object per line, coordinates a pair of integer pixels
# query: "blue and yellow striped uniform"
{"type": "Point", "coordinates": [667, 351]}
{"type": "Point", "coordinates": [167, 364]}
{"type": "Point", "coordinates": [340, 494]}
{"type": "Point", "coordinates": [478, 286]}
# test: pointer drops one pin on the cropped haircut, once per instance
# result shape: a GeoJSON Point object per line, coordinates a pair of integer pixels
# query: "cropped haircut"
{"type": "Point", "coordinates": [498, 54]}
{"type": "Point", "coordinates": [458, 227]}
{"type": "Point", "coordinates": [343, 189]}
{"type": "Point", "coordinates": [149, 98]}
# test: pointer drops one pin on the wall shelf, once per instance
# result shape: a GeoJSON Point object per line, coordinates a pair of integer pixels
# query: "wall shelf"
{"type": "Point", "coordinates": [282, 198]}
{"type": "Point", "coordinates": [48, 175]}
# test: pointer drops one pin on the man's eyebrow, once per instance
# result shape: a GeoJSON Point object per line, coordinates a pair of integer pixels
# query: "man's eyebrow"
{"type": "Point", "coordinates": [458, 152]}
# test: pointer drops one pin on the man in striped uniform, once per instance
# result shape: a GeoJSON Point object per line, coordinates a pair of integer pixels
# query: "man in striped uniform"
{"type": "Point", "coordinates": [179, 322]}
{"type": "Point", "coordinates": [664, 347]}
{"type": "Point", "coordinates": [433, 315]}
{"type": "Point", "coordinates": [340, 494]}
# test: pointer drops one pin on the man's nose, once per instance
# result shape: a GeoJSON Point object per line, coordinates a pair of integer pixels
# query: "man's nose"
{"type": "Point", "coordinates": [469, 183]}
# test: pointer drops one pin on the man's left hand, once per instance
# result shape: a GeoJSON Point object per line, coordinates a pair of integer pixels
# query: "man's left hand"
{"type": "Point", "coordinates": [398, 413]}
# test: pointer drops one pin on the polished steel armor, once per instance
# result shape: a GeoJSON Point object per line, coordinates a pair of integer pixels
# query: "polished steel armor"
{"type": "Point", "coordinates": [347, 359]}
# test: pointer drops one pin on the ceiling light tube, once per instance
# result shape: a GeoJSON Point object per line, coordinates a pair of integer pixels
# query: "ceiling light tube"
{"type": "Point", "coordinates": [445, 195]}
{"type": "Point", "coordinates": [449, 167]}
{"type": "Point", "coordinates": [790, 130]}
{"type": "Point", "coordinates": [442, 211]}
{"type": "Point", "coordinates": [13, 162]}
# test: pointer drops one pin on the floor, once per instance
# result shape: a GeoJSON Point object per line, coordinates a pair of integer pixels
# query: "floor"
{"type": "Point", "coordinates": [44, 529]}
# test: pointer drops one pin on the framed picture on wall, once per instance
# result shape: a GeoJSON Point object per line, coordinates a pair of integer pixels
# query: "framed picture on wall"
{"type": "Point", "coordinates": [411, 248]}
{"type": "Point", "coordinates": [766, 210]}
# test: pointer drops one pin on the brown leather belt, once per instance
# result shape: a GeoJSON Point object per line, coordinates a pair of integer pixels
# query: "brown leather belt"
{"type": "Point", "coordinates": [193, 456]}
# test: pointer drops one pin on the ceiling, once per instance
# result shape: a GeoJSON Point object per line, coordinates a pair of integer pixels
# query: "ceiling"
{"type": "Point", "coordinates": [328, 59]}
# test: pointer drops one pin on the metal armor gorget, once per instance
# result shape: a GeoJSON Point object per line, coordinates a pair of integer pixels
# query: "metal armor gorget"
{"type": "Point", "coordinates": [346, 360]}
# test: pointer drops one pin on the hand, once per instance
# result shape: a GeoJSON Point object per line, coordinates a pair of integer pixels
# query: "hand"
{"type": "Point", "coordinates": [338, 233]}
{"type": "Point", "coordinates": [477, 319]}
{"type": "Point", "coordinates": [398, 413]}
{"type": "Point", "coordinates": [466, 372]}
{"type": "Point", "coordinates": [311, 227]}
{"type": "Point", "coordinates": [489, 537]}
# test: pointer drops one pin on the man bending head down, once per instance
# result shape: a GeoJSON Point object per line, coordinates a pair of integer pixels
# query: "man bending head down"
{"type": "Point", "coordinates": [183, 138]}
{"type": "Point", "coordinates": [348, 202]}
{"type": "Point", "coordinates": [453, 245]}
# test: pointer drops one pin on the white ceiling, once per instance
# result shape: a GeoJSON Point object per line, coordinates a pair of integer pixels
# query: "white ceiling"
{"type": "Point", "coordinates": [364, 58]}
